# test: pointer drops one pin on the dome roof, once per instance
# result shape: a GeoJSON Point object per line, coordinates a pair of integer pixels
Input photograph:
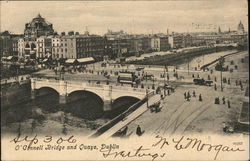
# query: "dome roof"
{"type": "Point", "coordinates": [38, 27]}
{"type": "Point", "coordinates": [240, 27]}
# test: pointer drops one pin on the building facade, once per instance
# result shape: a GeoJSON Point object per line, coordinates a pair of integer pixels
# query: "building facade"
{"type": "Point", "coordinates": [9, 44]}
{"type": "Point", "coordinates": [36, 28]}
{"type": "Point", "coordinates": [155, 43]}
{"type": "Point", "coordinates": [175, 41]}
{"type": "Point", "coordinates": [44, 47]}
{"type": "Point", "coordinates": [164, 45]}
{"type": "Point", "coordinates": [21, 52]}
{"type": "Point", "coordinates": [146, 44]}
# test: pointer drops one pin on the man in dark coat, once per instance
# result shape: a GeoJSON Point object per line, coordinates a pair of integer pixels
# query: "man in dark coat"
{"type": "Point", "coordinates": [138, 130]}
{"type": "Point", "coordinates": [200, 98]}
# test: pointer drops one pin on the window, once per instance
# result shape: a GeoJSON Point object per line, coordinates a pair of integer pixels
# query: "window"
{"type": "Point", "coordinates": [61, 50]}
{"type": "Point", "coordinates": [66, 50]}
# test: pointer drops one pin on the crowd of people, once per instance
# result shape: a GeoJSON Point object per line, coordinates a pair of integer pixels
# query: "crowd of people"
{"type": "Point", "coordinates": [187, 96]}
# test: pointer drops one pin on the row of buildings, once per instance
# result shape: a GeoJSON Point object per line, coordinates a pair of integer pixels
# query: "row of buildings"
{"type": "Point", "coordinates": [41, 41]}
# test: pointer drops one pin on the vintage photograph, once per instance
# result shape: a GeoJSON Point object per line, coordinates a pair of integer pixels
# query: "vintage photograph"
{"type": "Point", "coordinates": [124, 69]}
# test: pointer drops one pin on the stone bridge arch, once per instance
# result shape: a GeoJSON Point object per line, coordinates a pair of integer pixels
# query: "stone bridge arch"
{"type": "Point", "coordinates": [85, 104]}
{"type": "Point", "coordinates": [97, 92]}
{"type": "Point", "coordinates": [49, 88]}
{"type": "Point", "coordinates": [99, 97]}
{"type": "Point", "coordinates": [135, 94]}
{"type": "Point", "coordinates": [47, 98]}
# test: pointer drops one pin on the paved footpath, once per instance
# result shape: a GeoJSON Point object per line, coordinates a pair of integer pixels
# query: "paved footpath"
{"type": "Point", "coordinates": [143, 108]}
{"type": "Point", "coordinates": [177, 114]}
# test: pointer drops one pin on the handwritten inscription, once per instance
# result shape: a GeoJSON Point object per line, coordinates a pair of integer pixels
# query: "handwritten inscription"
{"type": "Point", "coordinates": [177, 144]}
{"type": "Point", "coordinates": [159, 149]}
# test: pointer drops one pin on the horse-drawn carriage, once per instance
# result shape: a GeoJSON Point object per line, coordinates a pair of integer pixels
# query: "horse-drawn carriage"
{"type": "Point", "coordinates": [156, 107]}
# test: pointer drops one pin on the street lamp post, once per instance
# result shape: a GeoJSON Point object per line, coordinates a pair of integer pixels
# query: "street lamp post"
{"type": "Point", "coordinates": [165, 80]}
{"type": "Point", "coordinates": [221, 65]}
{"type": "Point", "coordinates": [147, 96]}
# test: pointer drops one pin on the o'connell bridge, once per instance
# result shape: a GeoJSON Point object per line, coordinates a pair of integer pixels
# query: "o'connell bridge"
{"type": "Point", "coordinates": [107, 93]}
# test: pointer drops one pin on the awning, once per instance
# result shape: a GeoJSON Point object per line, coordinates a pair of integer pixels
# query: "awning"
{"type": "Point", "coordinates": [4, 58]}
{"type": "Point", "coordinates": [86, 60]}
{"type": "Point", "coordinates": [9, 57]}
{"type": "Point", "coordinates": [71, 61]}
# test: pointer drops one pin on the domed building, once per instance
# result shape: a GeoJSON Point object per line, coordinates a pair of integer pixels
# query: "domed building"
{"type": "Point", "coordinates": [33, 30]}
{"type": "Point", "coordinates": [240, 28]}
{"type": "Point", "coordinates": [38, 27]}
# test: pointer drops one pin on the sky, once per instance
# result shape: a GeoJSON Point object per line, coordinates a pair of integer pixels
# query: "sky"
{"type": "Point", "coordinates": [142, 17]}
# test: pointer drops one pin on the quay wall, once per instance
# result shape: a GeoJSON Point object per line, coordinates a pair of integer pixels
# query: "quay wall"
{"type": "Point", "coordinates": [15, 93]}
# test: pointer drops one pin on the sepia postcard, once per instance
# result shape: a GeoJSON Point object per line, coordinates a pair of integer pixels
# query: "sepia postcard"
{"type": "Point", "coordinates": [124, 80]}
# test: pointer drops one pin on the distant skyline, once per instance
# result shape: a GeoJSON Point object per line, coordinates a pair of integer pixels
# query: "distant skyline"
{"type": "Point", "coordinates": [136, 17]}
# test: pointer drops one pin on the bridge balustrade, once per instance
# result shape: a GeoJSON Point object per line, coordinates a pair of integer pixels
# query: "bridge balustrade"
{"type": "Point", "coordinates": [78, 83]}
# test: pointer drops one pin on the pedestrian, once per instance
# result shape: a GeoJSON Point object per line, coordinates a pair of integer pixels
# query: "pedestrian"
{"type": "Point", "coordinates": [194, 94]}
{"type": "Point", "coordinates": [241, 87]}
{"type": "Point", "coordinates": [185, 95]}
{"type": "Point", "coordinates": [228, 104]}
{"type": "Point", "coordinates": [218, 100]}
{"type": "Point", "coordinates": [188, 95]}
{"type": "Point", "coordinates": [224, 127]}
{"type": "Point", "coordinates": [138, 130]}
{"type": "Point", "coordinates": [215, 87]}
{"type": "Point", "coordinates": [200, 98]}
{"type": "Point", "coordinates": [215, 79]}
{"type": "Point", "coordinates": [223, 100]}
{"type": "Point", "coordinates": [168, 92]}
{"type": "Point", "coordinates": [208, 77]}
{"type": "Point", "coordinates": [240, 83]}
{"type": "Point", "coordinates": [228, 81]}
{"type": "Point", "coordinates": [193, 75]}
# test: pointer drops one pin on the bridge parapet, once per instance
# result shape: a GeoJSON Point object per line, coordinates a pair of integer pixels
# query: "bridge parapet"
{"type": "Point", "coordinates": [108, 93]}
